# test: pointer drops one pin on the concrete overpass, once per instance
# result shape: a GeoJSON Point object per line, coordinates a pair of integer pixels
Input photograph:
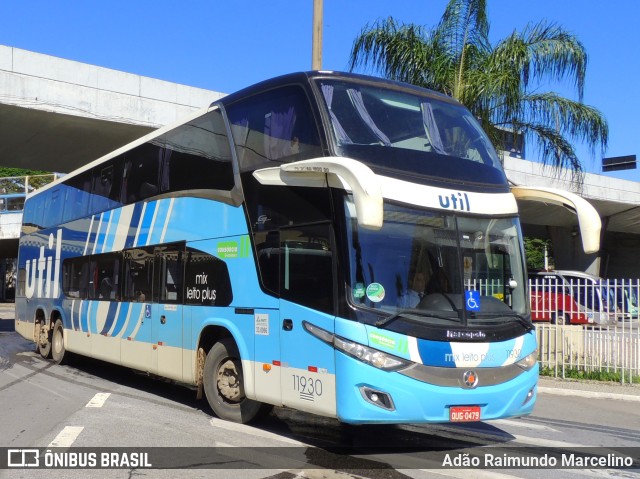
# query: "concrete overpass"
{"type": "Point", "coordinates": [57, 114]}
{"type": "Point", "coordinates": [618, 203]}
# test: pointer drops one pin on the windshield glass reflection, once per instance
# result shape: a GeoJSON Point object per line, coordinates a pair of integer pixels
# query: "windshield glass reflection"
{"type": "Point", "coordinates": [438, 268]}
{"type": "Point", "coordinates": [368, 115]}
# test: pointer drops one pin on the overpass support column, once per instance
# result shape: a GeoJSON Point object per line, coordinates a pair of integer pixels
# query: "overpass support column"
{"type": "Point", "coordinates": [568, 252]}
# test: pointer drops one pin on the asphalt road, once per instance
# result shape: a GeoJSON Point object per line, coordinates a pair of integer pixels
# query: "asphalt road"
{"type": "Point", "coordinates": [96, 406]}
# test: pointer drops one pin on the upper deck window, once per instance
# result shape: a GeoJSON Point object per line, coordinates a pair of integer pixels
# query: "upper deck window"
{"type": "Point", "coordinates": [428, 135]}
{"type": "Point", "coordinates": [274, 126]}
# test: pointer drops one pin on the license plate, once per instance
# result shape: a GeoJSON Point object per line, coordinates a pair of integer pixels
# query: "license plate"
{"type": "Point", "coordinates": [464, 413]}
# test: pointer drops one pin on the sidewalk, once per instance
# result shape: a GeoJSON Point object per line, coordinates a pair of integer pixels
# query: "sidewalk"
{"type": "Point", "coordinates": [592, 389]}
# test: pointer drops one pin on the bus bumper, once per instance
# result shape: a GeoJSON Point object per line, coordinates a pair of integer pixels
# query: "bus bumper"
{"type": "Point", "coordinates": [406, 400]}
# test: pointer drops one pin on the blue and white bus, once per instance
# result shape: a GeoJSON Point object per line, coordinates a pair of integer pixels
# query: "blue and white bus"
{"type": "Point", "coordinates": [334, 243]}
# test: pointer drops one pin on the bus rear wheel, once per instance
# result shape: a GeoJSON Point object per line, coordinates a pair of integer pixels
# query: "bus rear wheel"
{"type": "Point", "coordinates": [57, 342]}
{"type": "Point", "coordinates": [44, 340]}
{"type": "Point", "coordinates": [224, 385]}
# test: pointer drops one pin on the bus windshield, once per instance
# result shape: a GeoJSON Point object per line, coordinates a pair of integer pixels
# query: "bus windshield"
{"type": "Point", "coordinates": [428, 135]}
{"type": "Point", "coordinates": [425, 264]}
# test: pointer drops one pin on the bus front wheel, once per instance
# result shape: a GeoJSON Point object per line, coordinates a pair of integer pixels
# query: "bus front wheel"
{"type": "Point", "coordinates": [224, 384]}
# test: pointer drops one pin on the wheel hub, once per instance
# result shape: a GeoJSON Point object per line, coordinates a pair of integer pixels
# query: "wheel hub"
{"type": "Point", "coordinates": [43, 337]}
{"type": "Point", "coordinates": [228, 380]}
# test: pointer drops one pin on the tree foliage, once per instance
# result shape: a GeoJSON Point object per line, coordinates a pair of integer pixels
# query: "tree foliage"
{"type": "Point", "coordinates": [534, 250]}
{"type": "Point", "coordinates": [499, 83]}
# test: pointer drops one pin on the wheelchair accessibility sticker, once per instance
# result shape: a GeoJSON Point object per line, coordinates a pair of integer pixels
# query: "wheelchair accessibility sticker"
{"type": "Point", "coordinates": [147, 311]}
{"type": "Point", "coordinates": [472, 300]}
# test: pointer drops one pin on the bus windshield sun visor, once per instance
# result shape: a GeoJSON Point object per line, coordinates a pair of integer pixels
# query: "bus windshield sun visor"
{"type": "Point", "coordinates": [336, 172]}
{"type": "Point", "coordinates": [588, 218]}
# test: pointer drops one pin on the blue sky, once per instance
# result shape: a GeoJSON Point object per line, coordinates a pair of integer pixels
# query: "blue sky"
{"type": "Point", "coordinates": [225, 45]}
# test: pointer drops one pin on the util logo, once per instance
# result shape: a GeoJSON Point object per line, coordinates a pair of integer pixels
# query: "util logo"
{"type": "Point", "coordinates": [457, 201]}
{"type": "Point", "coordinates": [43, 273]}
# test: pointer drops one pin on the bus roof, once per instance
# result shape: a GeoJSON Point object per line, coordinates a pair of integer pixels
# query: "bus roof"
{"type": "Point", "coordinates": [298, 77]}
{"type": "Point", "coordinates": [308, 76]}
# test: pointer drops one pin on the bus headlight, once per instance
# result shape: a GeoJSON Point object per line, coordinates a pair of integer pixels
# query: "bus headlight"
{"type": "Point", "coordinates": [367, 355]}
{"type": "Point", "coordinates": [528, 362]}
{"type": "Point", "coordinates": [373, 357]}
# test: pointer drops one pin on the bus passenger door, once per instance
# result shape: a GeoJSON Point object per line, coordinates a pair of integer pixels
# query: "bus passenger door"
{"type": "Point", "coordinates": [166, 312]}
{"type": "Point", "coordinates": [307, 290]}
{"type": "Point", "coordinates": [135, 326]}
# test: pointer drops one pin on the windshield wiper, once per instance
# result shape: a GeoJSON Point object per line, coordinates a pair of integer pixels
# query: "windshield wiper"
{"type": "Point", "coordinates": [521, 319]}
{"type": "Point", "coordinates": [404, 314]}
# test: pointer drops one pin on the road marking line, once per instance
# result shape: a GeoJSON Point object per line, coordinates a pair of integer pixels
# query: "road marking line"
{"type": "Point", "coordinates": [527, 425]}
{"type": "Point", "coordinates": [98, 400]}
{"type": "Point", "coordinates": [66, 437]}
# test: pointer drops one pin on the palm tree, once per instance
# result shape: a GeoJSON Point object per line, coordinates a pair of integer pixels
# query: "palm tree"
{"type": "Point", "coordinates": [497, 83]}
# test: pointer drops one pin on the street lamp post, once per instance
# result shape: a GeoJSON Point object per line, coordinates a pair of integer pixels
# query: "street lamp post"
{"type": "Point", "coordinates": [316, 55]}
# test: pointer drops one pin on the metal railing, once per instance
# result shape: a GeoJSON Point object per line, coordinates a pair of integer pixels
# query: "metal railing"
{"type": "Point", "coordinates": [564, 349]}
{"type": "Point", "coordinates": [588, 326]}
{"type": "Point", "coordinates": [26, 184]}
{"type": "Point", "coordinates": [13, 190]}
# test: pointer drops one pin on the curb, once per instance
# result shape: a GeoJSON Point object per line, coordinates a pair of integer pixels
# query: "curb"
{"type": "Point", "coordinates": [588, 394]}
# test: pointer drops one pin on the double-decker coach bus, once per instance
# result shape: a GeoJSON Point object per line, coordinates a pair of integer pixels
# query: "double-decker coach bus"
{"type": "Point", "coordinates": [334, 243]}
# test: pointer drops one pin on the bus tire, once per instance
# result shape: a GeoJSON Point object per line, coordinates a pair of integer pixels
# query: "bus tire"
{"type": "Point", "coordinates": [57, 342]}
{"type": "Point", "coordinates": [224, 386]}
{"type": "Point", "coordinates": [44, 341]}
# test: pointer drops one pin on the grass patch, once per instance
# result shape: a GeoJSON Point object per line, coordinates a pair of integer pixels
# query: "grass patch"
{"type": "Point", "coordinates": [572, 373]}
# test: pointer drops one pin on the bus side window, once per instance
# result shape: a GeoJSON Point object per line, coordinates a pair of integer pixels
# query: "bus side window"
{"type": "Point", "coordinates": [77, 196]}
{"type": "Point", "coordinates": [32, 215]}
{"type": "Point", "coordinates": [142, 173]}
{"type": "Point", "coordinates": [271, 207]}
{"type": "Point", "coordinates": [105, 190]}
{"type": "Point", "coordinates": [168, 272]}
{"type": "Point", "coordinates": [277, 125]}
{"type": "Point", "coordinates": [108, 270]}
{"type": "Point", "coordinates": [72, 277]}
{"type": "Point", "coordinates": [198, 156]}
{"type": "Point", "coordinates": [55, 207]}
{"type": "Point", "coordinates": [39, 210]}
{"type": "Point", "coordinates": [269, 260]}
{"type": "Point", "coordinates": [138, 275]}
{"type": "Point", "coordinates": [306, 264]}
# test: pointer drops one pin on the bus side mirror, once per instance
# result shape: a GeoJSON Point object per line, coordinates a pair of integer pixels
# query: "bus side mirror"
{"type": "Point", "coordinates": [336, 172]}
